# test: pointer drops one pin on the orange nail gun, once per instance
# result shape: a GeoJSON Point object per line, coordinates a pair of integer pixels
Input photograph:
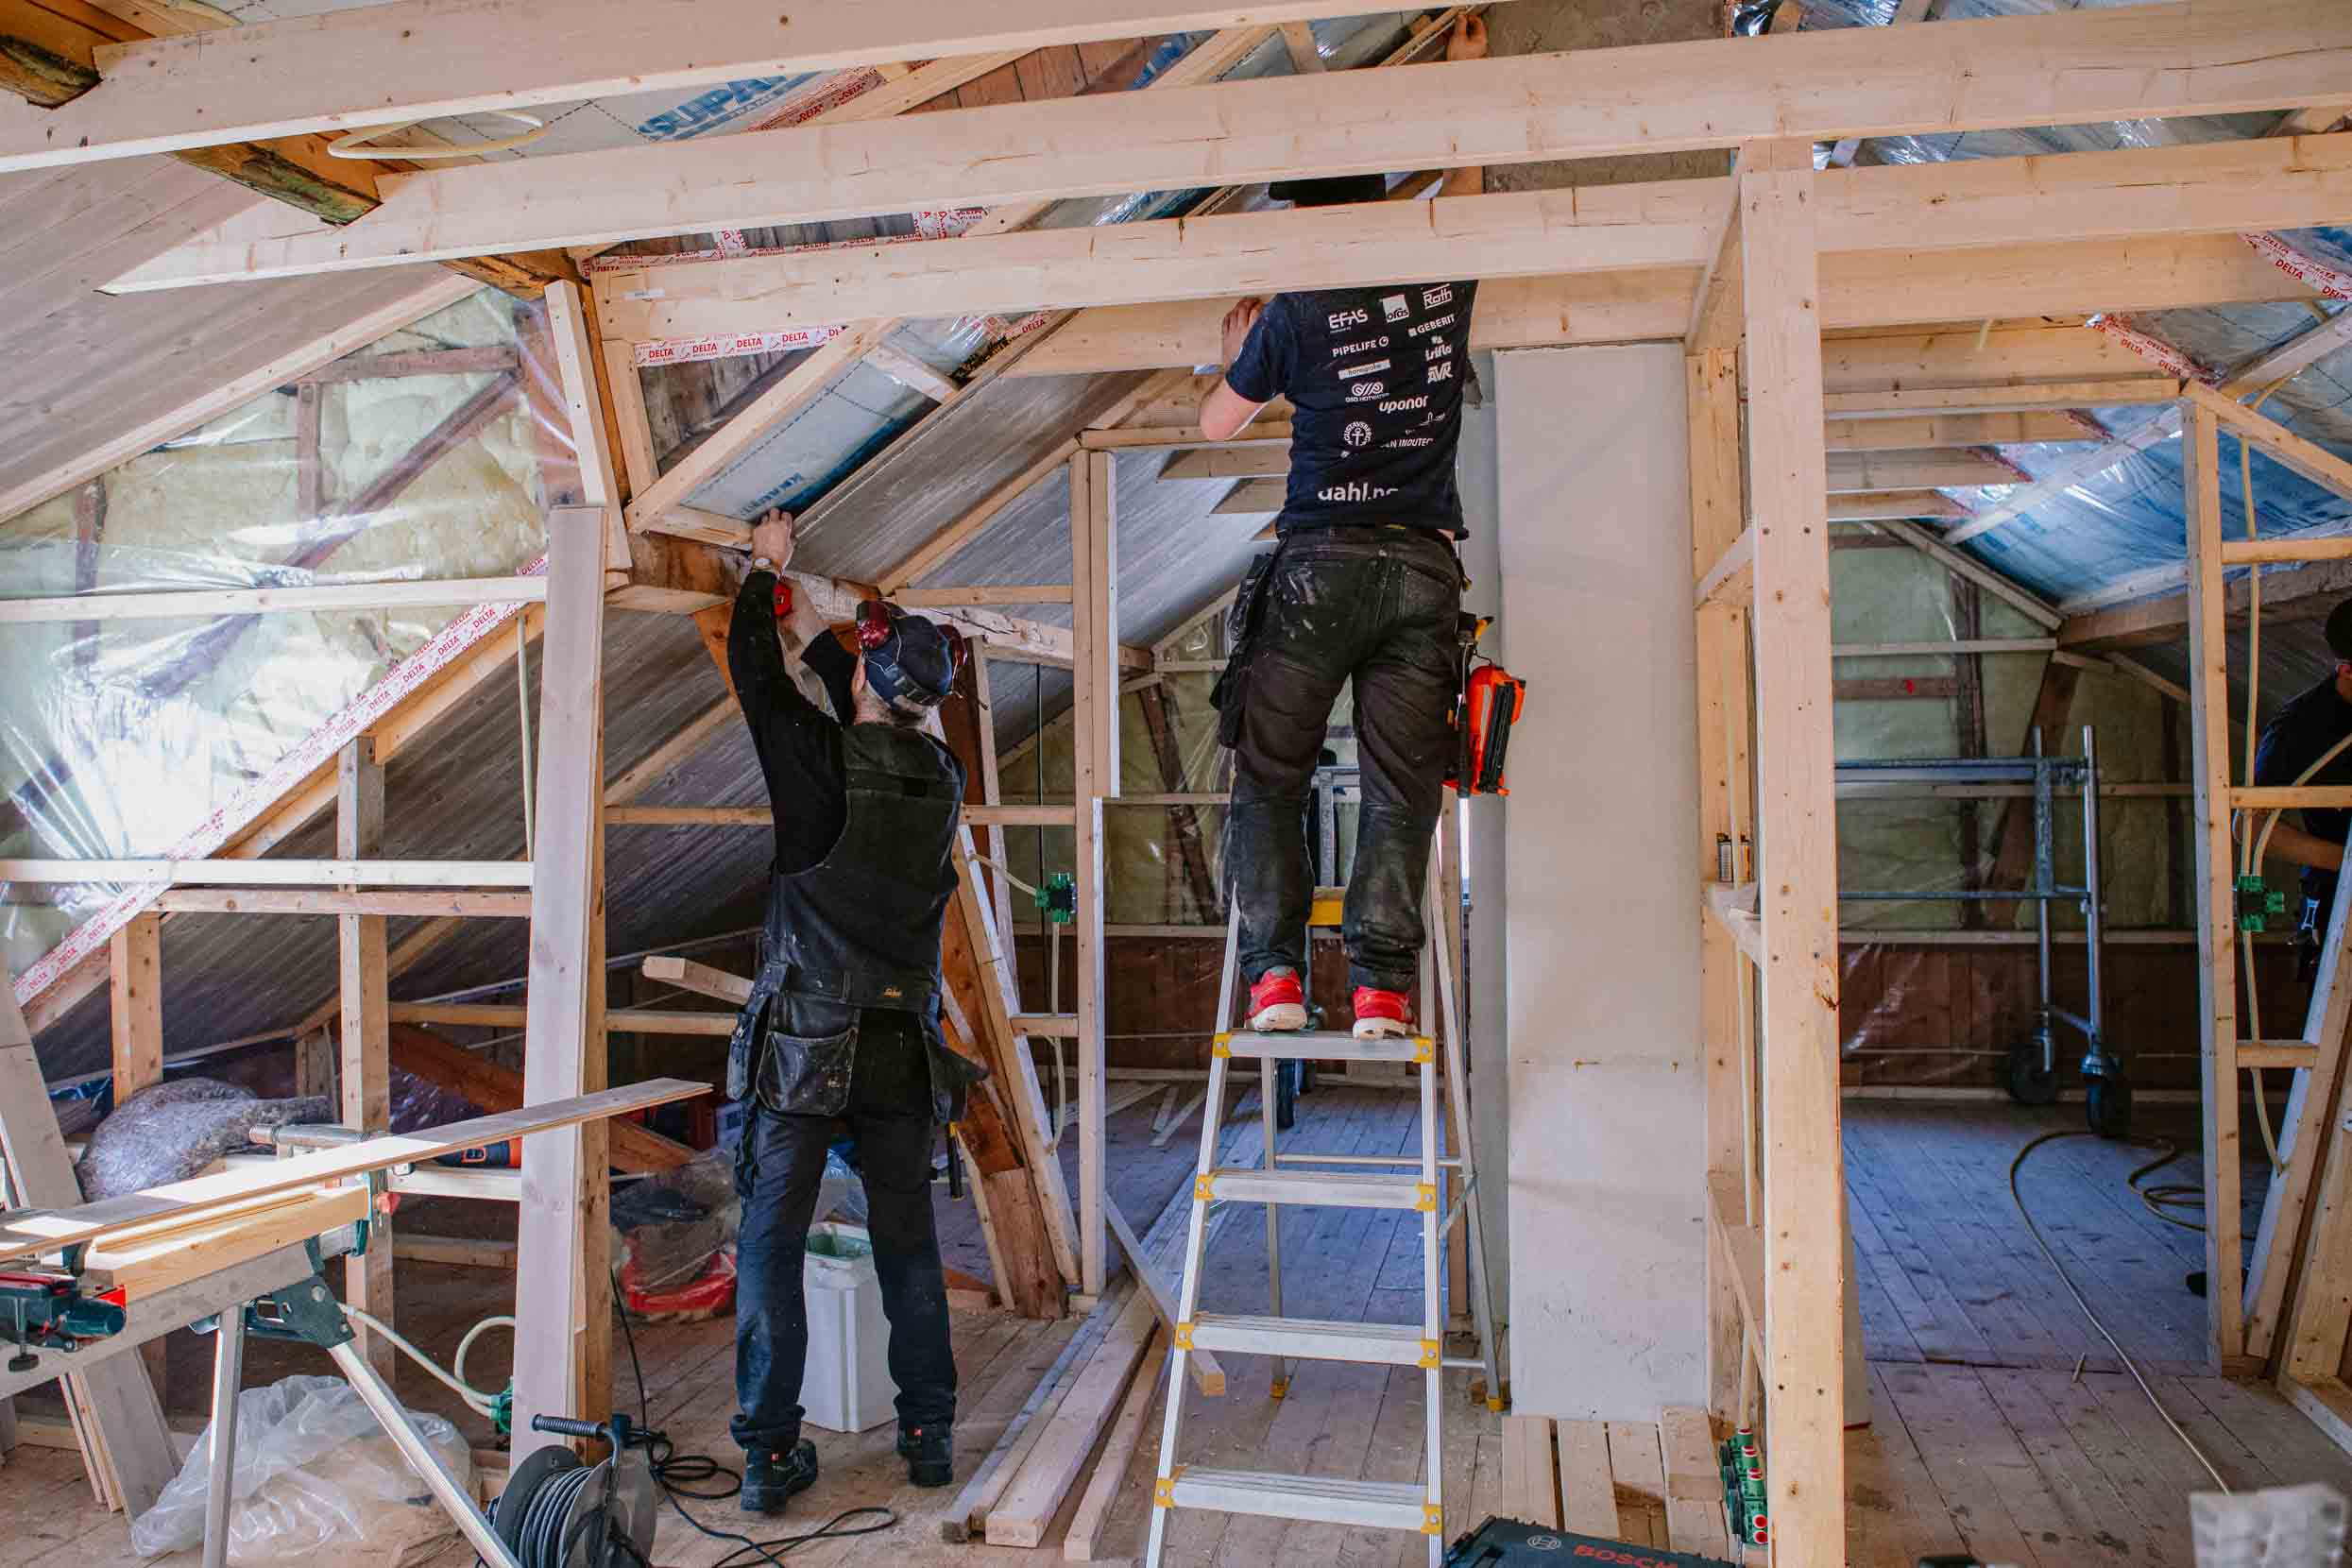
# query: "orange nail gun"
{"type": "Point", "coordinates": [1484, 710]}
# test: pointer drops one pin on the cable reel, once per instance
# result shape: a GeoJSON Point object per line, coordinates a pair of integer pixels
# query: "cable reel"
{"type": "Point", "coordinates": [558, 1512]}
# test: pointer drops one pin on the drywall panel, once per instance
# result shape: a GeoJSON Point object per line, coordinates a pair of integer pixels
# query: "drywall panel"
{"type": "Point", "coordinates": [1605, 1136]}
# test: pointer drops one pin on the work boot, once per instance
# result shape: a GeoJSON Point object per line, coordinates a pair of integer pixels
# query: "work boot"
{"type": "Point", "coordinates": [1276, 1003]}
{"type": "Point", "coordinates": [1381, 1014]}
{"type": "Point", "coordinates": [769, 1480]}
{"type": "Point", "coordinates": [929, 1453]}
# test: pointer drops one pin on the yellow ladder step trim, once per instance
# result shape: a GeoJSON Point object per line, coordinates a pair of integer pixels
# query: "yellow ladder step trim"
{"type": "Point", "coordinates": [1424, 1197]}
{"type": "Point", "coordinates": [1164, 1488]}
{"type": "Point", "coordinates": [1432, 1518]}
{"type": "Point", "coordinates": [1431, 1355]}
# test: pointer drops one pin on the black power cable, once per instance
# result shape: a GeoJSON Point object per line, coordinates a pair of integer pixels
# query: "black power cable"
{"type": "Point", "coordinates": [670, 1467]}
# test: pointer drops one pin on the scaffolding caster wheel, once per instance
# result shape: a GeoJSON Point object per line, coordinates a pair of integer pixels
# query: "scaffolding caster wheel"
{"type": "Point", "coordinates": [2107, 1106]}
{"type": "Point", "coordinates": [1286, 1077]}
{"type": "Point", "coordinates": [2030, 1082]}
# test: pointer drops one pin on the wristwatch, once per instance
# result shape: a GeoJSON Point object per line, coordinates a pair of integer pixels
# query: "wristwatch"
{"type": "Point", "coordinates": [762, 563]}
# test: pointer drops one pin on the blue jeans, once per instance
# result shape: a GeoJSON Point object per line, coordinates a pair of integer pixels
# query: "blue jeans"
{"type": "Point", "coordinates": [1375, 606]}
{"type": "Point", "coordinates": [778, 1167]}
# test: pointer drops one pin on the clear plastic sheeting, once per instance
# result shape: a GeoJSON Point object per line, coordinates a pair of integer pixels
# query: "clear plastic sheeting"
{"type": "Point", "coordinates": [139, 738]}
{"type": "Point", "coordinates": [315, 1472]}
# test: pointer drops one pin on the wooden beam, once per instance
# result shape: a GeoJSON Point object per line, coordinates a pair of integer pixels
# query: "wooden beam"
{"type": "Point", "coordinates": [43, 1229]}
{"type": "Point", "coordinates": [1862, 290]}
{"type": "Point", "coordinates": [1862, 473]}
{"type": "Point", "coordinates": [2315, 463]}
{"type": "Point", "coordinates": [327, 596]}
{"type": "Point", "coordinates": [564, 1034]}
{"type": "Point", "coordinates": [424, 59]}
{"type": "Point", "coordinates": [2217, 905]}
{"type": "Point", "coordinates": [136, 957]}
{"type": "Point", "coordinates": [414, 904]}
{"type": "Point", "coordinates": [1929, 432]}
{"type": "Point", "coordinates": [1095, 703]}
{"type": "Point", "coordinates": [2118, 391]}
{"type": "Point", "coordinates": [1260, 461]}
{"type": "Point", "coordinates": [365, 1101]}
{"type": "Point", "coordinates": [1897, 507]}
{"type": "Point", "coordinates": [473, 1076]}
{"type": "Point", "coordinates": [1649, 98]}
{"type": "Point", "coordinates": [2213, 188]}
{"type": "Point", "coordinates": [1803, 1187]}
{"type": "Point", "coordinates": [232, 873]}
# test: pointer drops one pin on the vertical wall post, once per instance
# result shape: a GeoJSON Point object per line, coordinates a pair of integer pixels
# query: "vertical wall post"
{"type": "Point", "coordinates": [1716, 519]}
{"type": "Point", "coordinates": [562, 1285]}
{"type": "Point", "coordinates": [2216, 932]}
{"type": "Point", "coordinates": [365, 1011]}
{"type": "Point", "coordinates": [135, 965]}
{"type": "Point", "coordinates": [1095, 735]}
{"type": "Point", "coordinates": [1796, 875]}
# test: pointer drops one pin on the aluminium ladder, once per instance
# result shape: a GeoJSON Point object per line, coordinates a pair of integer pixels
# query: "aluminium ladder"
{"type": "Point", "coordinates": [1416, 1506]}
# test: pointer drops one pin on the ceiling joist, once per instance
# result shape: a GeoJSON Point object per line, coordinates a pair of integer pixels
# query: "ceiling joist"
{"type": "Point", "coordinates": [2188, 57]}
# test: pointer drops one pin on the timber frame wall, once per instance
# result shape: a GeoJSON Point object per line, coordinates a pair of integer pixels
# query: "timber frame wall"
{"type": "Point", "coordinates": [1747, 273]}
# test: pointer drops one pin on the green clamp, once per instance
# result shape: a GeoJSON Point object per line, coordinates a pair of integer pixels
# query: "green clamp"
{"type": "Point", "coordinates": [307, 1311]}
{"type": "Point", "coordinates": [1057, 899]}
{"type": "Point", "coordinates": [2257, 904]}
{"type": "Point", "coordinates": [502, 1410]}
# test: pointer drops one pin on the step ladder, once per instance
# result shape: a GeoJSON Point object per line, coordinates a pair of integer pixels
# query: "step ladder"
{"type": "Point", "coordinates": [1397, 1182]}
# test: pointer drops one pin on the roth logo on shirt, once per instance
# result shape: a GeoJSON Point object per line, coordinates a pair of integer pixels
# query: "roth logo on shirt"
{"type": "Point", "coordinates": [1432, 298]}
{"type": "Point", "coordinates": [1355, 489]}
{"type": "Point", "coordinates": [1341, 320]}
{"type": "Point", "coordinates": [1393, 307]}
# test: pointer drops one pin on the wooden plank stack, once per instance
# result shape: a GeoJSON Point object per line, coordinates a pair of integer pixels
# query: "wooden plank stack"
{"type": "Point", "coordinates": [1642, 1483]}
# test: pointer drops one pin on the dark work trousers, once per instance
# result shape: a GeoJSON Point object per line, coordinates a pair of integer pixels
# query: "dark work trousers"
{"type": "Point", "coordinates": [776, 1170]}
{"type": "Point", "coordinates": [1376, 607]}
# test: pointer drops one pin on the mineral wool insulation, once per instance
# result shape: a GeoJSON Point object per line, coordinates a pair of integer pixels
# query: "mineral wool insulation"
{"type": "Point", "coordinates": [121, 739]}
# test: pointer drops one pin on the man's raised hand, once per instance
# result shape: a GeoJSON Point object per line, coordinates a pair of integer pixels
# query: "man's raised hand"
{"type": "Point", "coordinates": [771, 538]}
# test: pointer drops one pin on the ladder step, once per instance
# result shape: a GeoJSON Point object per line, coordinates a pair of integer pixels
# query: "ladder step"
{"type": "Point", "coordinates": [1252, 1184]}
{"type": "Point", "coordinates": [1314, 1338]}
{"type": "Point", "coordinates": [1314, 1499]}
{"type": "Point", "coordinates": [1324, 1045]}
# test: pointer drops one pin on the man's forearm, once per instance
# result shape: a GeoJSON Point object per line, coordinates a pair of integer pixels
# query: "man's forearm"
{"type": "Point", "coordinates": [2292, 844]}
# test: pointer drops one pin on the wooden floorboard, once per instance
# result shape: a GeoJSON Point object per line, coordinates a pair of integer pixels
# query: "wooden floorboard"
{"type": "Point", "coordinates": [1984, 1438]}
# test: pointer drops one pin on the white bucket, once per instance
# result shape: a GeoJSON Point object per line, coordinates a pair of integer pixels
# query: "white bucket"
{"type": "Point", "coordinates": [846, 1386]}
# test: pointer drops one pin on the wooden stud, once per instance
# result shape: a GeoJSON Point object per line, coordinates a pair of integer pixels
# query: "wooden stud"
{"type": "Point", "coordinates": [563, 1043]}
{"type": "Point", "coordinates": [1802, 1166]}
{"type": "Point", "coordinates": [1717, 515]}
{"type": "Point", "coordinates": [1096, 699]}
{"type": "Point", "coordinates": [366, 1103]}
{"type": "Point", "coordinates": [2217, 925]}
{"type": "Point", "coordinates": [136, 956]}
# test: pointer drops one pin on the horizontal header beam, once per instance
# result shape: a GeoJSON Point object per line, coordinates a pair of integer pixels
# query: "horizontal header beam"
{"type": "Point", "coordinates": [418, 59]}
{"type": "Point", "coordinates": [2188, 57]}
{"type": "Point", "coordinates": [2219, 188]}
{"type": "Point", "coordinates": [325, 596]}
{"type": "Point", "coordinates": [256, 873]}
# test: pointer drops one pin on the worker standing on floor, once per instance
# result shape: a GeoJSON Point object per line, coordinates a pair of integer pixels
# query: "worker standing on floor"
{"type": "Point", "coordinates": [1364, 586]}
{"type": "Point", "coordinates": [2312, 726]}
{"type": "Point", "coordinates": [842, 1022]}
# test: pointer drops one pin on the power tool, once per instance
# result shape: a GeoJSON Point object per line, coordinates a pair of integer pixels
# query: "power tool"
{"type": "Point", "coordinates": [1486, 707]}
{"type": "Point", "coordinates": [45, 1309]}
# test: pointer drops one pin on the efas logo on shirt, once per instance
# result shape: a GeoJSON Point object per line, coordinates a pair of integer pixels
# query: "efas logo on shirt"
{"type": "Point", "coordinates": [1341, 320]}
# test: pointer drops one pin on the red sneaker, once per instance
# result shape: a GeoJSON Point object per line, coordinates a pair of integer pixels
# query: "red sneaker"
{"type": "Point", "coordinates": [1381, 1014]}
{"type": "Point", "coordinates": [1276, 1003]}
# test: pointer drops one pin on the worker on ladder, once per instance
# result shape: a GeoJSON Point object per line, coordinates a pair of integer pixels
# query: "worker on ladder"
{"type": "Point", "coordinates": [1364, 585]}
{"type": "Point", "coordinates": [843, 1021]}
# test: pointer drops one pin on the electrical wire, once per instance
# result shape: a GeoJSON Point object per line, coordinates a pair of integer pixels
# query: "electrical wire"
{"type": "Point", "coordinates": [480, 1402]}
{"type": "Point", "coordinates": [2162, 1199]}
{"type": "Point", "coordinates": [670, 1467]}
{"type": "Point", "coordinates": [2131, 1366]}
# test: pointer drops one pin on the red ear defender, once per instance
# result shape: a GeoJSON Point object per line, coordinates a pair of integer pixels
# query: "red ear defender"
{"type": "Point", "coordinates": [959, 651]}
{"type": "Point", "coordinates": [873, 623]}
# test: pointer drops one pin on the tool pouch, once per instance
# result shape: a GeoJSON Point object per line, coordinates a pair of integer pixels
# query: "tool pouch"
{"type": "Point", "coordinates": [1241, 628]}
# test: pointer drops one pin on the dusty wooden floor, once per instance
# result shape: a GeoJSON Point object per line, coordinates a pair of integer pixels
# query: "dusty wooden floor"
{"type": "Point", "coordinates": [1984, 1438]}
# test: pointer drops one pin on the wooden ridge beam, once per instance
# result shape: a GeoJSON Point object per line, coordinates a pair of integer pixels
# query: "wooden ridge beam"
{"type": "Point", "coordinates": [1977, 204]}
{"type": "Point", "coordinates": [1856, 474]}
{"type": "Point", "coordinates": [2189, 57]}
{"type": "Point", "coordinates": [422, 60]}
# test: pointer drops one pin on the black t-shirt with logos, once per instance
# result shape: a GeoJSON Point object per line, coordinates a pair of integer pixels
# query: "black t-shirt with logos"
{"type": "Point", "coordinates": [1376, 376]}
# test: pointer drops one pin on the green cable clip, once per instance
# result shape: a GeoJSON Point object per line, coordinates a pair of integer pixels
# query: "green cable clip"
{"type": "Point", "coordinates": [2258, 904]}
{"type": "Point", "coordinates": [502, 1410]}
{"type": "Point", "coordinates": [1057, 900]}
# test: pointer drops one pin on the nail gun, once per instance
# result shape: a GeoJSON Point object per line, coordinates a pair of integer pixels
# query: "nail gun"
{"type": "Point", "coordinates": [1487, 706]}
